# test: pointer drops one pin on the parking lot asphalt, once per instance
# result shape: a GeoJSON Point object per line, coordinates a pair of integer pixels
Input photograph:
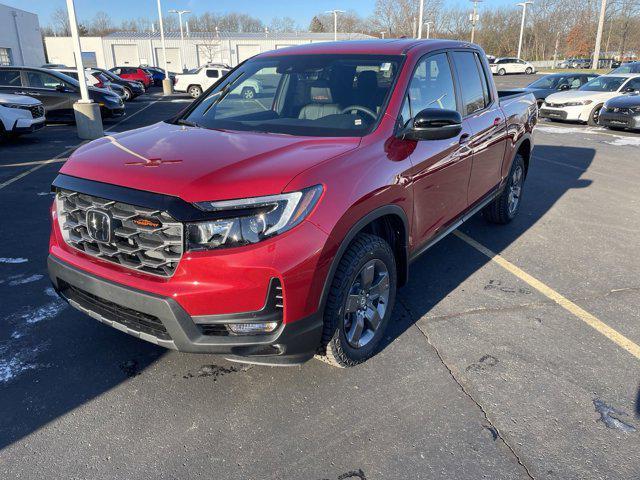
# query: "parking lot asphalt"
{"type": "Point", "coordinates": [485, 373]}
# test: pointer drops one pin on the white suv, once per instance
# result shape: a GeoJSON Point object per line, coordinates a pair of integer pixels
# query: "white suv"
{"type": "Point", "coordinates": [197, 81]}
{"type": "Point", "coordinates": [502, 66]}
{"type": "Point", "coordinates": [20, 114]}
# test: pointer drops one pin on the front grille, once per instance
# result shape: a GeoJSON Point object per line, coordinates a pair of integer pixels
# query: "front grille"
{"type": "Point", "coordinates": [37, 111]}
{"type": "Point", "coordinates": [133, 319]}
{"type": "Point", "coordinates": [153, 245]}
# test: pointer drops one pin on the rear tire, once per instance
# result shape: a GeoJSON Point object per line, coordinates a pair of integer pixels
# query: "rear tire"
{"type": "Point", "coordinates": [360, 302]}
{"type": "Point", "coordinates": [502, 72]}
{"type": "Point", "coordinates": [594, 116]}
{"type": "Point", "coordinates": [506, 206]}
{"type": "Point", "coordinates": [195, 91]}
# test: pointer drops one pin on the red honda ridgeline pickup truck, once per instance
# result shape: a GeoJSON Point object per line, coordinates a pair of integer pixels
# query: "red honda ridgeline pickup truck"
{"type": "Point", "coordinates": [273, 229]}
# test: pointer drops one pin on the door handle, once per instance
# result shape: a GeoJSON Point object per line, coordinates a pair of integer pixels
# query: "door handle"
{"type": "Point", "coordinates": [464, 138]}
{"type": "Point", "coordinates": [497, 121]}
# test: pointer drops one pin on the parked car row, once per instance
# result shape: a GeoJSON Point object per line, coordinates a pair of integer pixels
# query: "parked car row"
{"type": "Point", "coordinates": [505, 65]}
{"type": "Point", "coordinates": [610, 100]}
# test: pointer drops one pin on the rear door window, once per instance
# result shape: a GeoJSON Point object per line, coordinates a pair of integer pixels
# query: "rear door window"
{"type": "Point", "coordinates": [10, 78]}
{"type": "Point", "coordinates": [471, 83]}
{"type": "Point", "coordinates": [43, 80]}
{"type": "Point", "coordinates": [213, 73]}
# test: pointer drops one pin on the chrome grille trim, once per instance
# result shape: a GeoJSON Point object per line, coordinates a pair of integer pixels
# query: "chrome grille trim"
{"type": "Point", "coordinates": [155, 250]}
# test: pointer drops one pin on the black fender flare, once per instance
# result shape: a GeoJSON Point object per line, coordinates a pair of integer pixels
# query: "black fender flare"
{"type": "Point", "coordinates": [351, 234]}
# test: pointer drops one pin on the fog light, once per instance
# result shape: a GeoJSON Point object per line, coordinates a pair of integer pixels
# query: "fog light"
{"type": "Point", "coordinates": [252, 328]}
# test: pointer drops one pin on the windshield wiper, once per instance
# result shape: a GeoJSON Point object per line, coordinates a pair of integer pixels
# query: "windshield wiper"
{"type": "Point", "coordinates": [188, 123]}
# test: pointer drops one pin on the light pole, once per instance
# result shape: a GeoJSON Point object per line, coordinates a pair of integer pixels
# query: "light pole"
{"type": "Point", "coordinates": [335, 22]}
{"type": "Point", "coordinates": [428, 24]}
{"type": "Point", "coordinates": [474, 19]}
{"type": "Point", "coordinates": [420, 18]}
{"type": "Point", "coordinates": [85, 111]}
{"type": "Point", "coordinates": [524, 14]}
{"type": "Point", "coordinates": [167, 86]}
{"type": "Point", "coordinates": [596, 52]}
{"type": "Point", "coordinates": [180, 13]}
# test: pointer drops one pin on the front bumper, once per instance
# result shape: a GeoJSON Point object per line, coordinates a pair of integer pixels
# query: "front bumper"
{"type": "Point", "coordinates": [578, 113]}
{"type": "Point", "coordinates": [162, 321]}
{"type": "Point", "coordinates": [109, 111]}
{"type": "Point", "coordinates": [619, 120]}
{"type": "Point", "coordinates": [28, 126]}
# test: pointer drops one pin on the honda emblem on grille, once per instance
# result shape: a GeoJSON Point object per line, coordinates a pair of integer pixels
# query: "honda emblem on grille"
{"type": "Point", "coordinates": [99, 225]}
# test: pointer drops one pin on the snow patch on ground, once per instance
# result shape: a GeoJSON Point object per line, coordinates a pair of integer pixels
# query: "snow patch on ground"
{"type": "Point", "coordinates": [625, 142]}
{"type": "Point", "coordinates": [12, 364]}
{"type": "Point", "coordinates": [44, 312]}
{"type": "Point", "coordinates": [13, 260]}
{"type": "Point", "coordinates": [16, 280]}
{"type": "Point", "coordinates": [565, 130]}
{"type": "Point", "coordinates": [42, 194]}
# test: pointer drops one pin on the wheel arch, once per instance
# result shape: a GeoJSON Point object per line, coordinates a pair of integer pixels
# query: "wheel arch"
{"type": "Point", "coordinates": [389, 222]}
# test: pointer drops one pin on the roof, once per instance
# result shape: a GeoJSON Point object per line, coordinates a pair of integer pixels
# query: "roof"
{"type": "Point", "coordinates": [624, 75]}
{"type": "Point", "coordinates": [393, 46]}
{"type": "Point", "coordinates": [242, 35]}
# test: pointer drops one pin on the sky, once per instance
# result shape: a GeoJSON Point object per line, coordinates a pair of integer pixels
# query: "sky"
{"type": "Point", "coordinates": [301, 10]}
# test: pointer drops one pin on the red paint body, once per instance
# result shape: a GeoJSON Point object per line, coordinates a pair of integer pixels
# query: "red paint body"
{"type": "Point", "coordinates": [433, 182]}
{"type": "Point", "coordinates": [136, 74]}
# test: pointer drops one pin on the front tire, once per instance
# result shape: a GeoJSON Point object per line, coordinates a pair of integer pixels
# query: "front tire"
{"type": "Point", "coordinates": [528, 71]}
{"type": "Point", "coordinates": [502, 72]}
{"type": "Point", "coordinates": [128, 94]}
{"type": "Point", "coordinates": [506, 206]}
{"type": "Point", "coordinates": [594, 116]}
{"type": "Point", "coordinates": [195, 91]}
{"type": "Point", "coordinates": [248, 93]}
{"type": "Point", "coordinates": [360, 302]}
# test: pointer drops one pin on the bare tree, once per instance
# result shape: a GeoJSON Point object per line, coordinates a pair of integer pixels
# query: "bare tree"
{"type": "Point", "coordinates": [282, 25]}
{"type": "Point", "coordinates": [60, 22]}
{"type": "Point", "coordinates": [101, 24]}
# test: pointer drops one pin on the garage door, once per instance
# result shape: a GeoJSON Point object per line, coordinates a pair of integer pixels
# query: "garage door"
{"type": "Point", "coordinates": [284, 46]}
{"type": "Point", "coordinates": [173, 59]}
{"type": "Point", "coordinates": [126, 55]}
{"type": "Point", "coordinates": [247, 51]}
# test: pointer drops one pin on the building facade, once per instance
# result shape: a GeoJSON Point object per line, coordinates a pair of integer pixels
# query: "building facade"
{"type": "Point", "coordinates": [198, 48]}
{"type": "Point", "coordinates": [20, 38]}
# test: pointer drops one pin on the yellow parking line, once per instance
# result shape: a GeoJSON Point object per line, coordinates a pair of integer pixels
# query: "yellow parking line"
{"type": "Point", "coordinates": [613, 335]}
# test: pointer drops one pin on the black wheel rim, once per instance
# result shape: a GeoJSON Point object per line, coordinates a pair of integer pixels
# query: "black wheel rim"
{"type": "Point", "coordinates": [366, 303]}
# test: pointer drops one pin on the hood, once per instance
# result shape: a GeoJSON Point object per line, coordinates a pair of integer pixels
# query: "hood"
{"type": "Point", "coordinates": [197, 164]}
{"type": "Point", "coordinates": [624, 101]}
{"type": "Point", "coordinates": [576, 95]}
{"type": "Point", "coordinates": [18, 99]}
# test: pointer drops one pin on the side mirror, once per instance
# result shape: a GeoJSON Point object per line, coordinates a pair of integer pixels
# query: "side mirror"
{"type": "Point", "coordinates": [629, 90]}
{"type": "Point", "coordinates": [61, 88]}
{"type": "Point", "coordinates": [434, 124]}
{"type": "Point", "coordinates": [564, 86]}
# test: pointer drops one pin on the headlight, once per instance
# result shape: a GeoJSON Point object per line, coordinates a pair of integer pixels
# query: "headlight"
{"type": "Point", "coordinates": [250, 220]}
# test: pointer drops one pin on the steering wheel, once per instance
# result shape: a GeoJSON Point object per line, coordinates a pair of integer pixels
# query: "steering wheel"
{"type": "Point", "coordinates": [359, 109]}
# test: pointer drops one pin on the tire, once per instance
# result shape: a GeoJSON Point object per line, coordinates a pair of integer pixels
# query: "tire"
{"type": "Point", "coordinates": [248, 93]}
{"type": "Point", "coordinates": [368, 256]}
{"type": "Point", "coordinates": [528, 71]}
{"type": "Point", "coordinates": [502, 209]}
{"type": "Point", "coordinates": [594, 116]}
{"type": "Point", "coordinates": [128, 94]}
{"type": "Point", "coordinates": [194, 90]}
{"type": "Point", "coordinates": [502, 72]}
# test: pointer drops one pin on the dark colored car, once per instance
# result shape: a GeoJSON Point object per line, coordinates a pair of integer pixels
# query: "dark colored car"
{"type": "Point", "coordinates": [134, 73]}
{"type": "Point", "coordinates": [56, 91]}
{"type": "Point", "coordinates": [158, 75]}
{"type": "Point", "coordinates": [629, 67]}
{"type": "Point", "coordinates": [270, 234]}
{"type": "Point", "coordinates": [621, 112]}
{"type": "Point", "coordinates": [556, 82]}
{"type": "Point", "coordinates": [132, 89]}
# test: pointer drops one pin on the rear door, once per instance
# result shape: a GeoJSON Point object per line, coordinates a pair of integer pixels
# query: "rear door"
{"type": "Point", "coordinates": [485, 119]}
{"type": "Point", "coordinates": [440, 168]}
{"type": "Point", "coordinates": [58, 104]}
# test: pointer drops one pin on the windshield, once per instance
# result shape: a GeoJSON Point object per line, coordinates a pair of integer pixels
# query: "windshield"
{"type": "Point", "coordinates": [111, 75]}
{"type": "Point", "coordinates": [310, 95]}
{"type": "Point", "coordinates": [555, 81]}
{"type": "Point", "coordinates": [603, 84]}
{"type": "Point", "coordinates": [628, 68]}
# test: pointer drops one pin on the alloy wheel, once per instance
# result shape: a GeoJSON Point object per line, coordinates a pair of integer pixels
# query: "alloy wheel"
{"type": "Point", "coordinates": [515, 190]}
{"type": "Point", "coordinates": [366, 303]}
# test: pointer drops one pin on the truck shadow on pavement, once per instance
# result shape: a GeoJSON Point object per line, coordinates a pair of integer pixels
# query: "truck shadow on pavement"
{"type": "Point", "coordinates": [81, 359]}
{"type": "Point", "coordinates": [449, 263]}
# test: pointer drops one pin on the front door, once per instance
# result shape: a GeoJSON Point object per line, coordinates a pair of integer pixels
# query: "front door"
{"type": "Point", "coordinates": [440, 168]}
{"type": "Point", "coordinates": [57, 101]}
{"type": "Point", "coordinates": [486, 122]}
